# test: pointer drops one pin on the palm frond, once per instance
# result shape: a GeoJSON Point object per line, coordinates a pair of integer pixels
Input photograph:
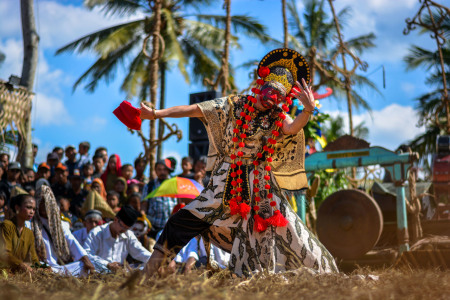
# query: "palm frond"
{"type": "Point", "coordinates": [90, 41]}
{"type": "Point", "coordinates": [241, 24]}
{"type": "Point", "coordinates": [118, 7]}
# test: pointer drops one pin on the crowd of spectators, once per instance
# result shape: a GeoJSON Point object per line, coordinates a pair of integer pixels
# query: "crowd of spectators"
{"type": "Point", "coordinates": [75, 214]}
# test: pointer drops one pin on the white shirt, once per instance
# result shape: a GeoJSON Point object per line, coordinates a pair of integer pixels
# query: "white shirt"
{"type": "Point", "coordinates": [103, 249]}
{"type": "Point", "coordinates": [81, 235]}
{"type": "Point", "coordinates": [76, 251]}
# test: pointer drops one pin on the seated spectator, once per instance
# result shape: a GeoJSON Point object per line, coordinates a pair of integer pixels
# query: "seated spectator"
{"type": "Point", "coordinates": [61, 185]}
{"type": "Point", "coordinates": [12, 179]}
{"type": "Point", "coordinates": [113, 200]}
{"type": "Point", "coordinates": [93, 218]}
{"type": "Point", "coordinates": [55, 244]}
{"type": "Point", "coordinates": [76, 195]}
{"type": "Point", "coordinates": [120, 187]}
{"type": "Point", "coordinates": [16, 241]}
{"type": "Point", "coordinates": [96, 199]}
{"type": "Point", "coordinates": [112, 172]}
{"type": "Point", "coordinates": [140, 229]}
{"type": "Point", "coordinates": [186, 165]}
{"type": "Point", "coordinates": [88, 171]}
{"type": "Point", "coordinates": [3, 206]}
{"type": "Point", "coordinates": [127, 172]}
{"type": "Point", "coordinates": [97, 162]}
{"type": "Point", "coordinates": [108, 245]}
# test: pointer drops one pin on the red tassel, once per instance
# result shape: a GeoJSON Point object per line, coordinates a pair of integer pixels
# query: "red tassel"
{"type": "Point", "coordinates": [277, 220]}
{"type": "Point", "coordinates": [260, 223]}
{"type": "Point", "coordinates": [234, 208]}
{"type": "Point", "coordinates": [244, 209]}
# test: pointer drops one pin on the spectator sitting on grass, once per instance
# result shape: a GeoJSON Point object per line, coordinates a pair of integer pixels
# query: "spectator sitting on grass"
{"type": "Point", "coordinates": [108, 245]}
{"type": "Point", "coordinates": [92, 218]}
{"type": "Point", "coordinates": [16, 241]}
{"type": "Point", "coordinates": [55, 244]}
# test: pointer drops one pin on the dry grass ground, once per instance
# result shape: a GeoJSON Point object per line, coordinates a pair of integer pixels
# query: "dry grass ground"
{"type": "Point", "coordinates": [392, 284]}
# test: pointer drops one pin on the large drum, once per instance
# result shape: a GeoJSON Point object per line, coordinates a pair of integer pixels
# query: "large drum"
{"type": "Point", "coordinates": [349, 223]}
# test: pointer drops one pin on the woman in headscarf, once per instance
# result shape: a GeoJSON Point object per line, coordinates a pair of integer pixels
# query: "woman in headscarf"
{"type": "Point", "coordinates": [17, 241]}
{"type": "Point", "coordinates": [96, 199]}
{"type": "Point", "coordinates": [121, 186]}
{"type": "Point", "coordinates": [54, 242]}
{"type": "Point", "coordinates": [113, 170]}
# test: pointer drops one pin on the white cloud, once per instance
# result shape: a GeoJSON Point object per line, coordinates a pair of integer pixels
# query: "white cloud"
{"type": "Point", "coordinates": [65, 23]}
{"type": "Point", "coordinates": [48, 110]}
{"type": "Point", "coordinates": [13, 50]}
{"type": "Point", "coordinates": [408, 88]}
{"type": "Point", "coordinates": [388, 127]}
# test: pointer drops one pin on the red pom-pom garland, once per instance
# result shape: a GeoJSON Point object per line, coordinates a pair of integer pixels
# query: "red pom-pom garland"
{"type": "Point", "coordinates": [238, 205]}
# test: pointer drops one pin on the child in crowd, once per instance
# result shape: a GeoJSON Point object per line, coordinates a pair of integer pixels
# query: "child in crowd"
{"type": "Point", "coordinates": [186, 164]}
{"type": "Point", "coordinates": [133, 188]}
{"type": "Point", "coordinates": [88, 171]}
{"type": "Point", "coordinates": [113, 200]}
{"type": "Point", "coordinates": [120, 186]}
{"type": "Point", "coordinates": [97, 162]}
{"type": "Point", "coordinates": [139, 166]}
{"type": "Point", "coordinates": [64, 207]}
{"type": "Point", "coordinates": [127, 172]}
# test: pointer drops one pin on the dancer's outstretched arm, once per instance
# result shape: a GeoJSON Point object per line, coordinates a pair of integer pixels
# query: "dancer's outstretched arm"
{"type": "Point", "coordinates": [190, 111]}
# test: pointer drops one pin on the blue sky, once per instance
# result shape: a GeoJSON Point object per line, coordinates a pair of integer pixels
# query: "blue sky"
{"type": "Point", "coordinates": [62, 117]}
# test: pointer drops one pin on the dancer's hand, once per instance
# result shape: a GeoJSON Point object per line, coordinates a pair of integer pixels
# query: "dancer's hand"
{"type": "Point", "coordinates": [305, 95]}
{"type": "Point", "coordinates": [147, 113]}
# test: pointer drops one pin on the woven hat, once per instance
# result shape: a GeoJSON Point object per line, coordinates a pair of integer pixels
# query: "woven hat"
{"type": "Point", "coordinates": [128, 115]}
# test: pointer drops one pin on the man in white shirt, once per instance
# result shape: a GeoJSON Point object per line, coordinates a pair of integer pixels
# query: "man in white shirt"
{"type": "Point", "coordinates": [92, 219]}
{"type": "Point", "coordinates": [108, 245]}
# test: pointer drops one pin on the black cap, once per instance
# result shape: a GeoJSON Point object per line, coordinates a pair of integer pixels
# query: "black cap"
{"type": "Point", "coordinates": [53, 155]}
{"type": "Point", "coordinates": [166, 163]}
{"type": "Point", "coordinates": [14, 165]}
{"type": "Point", "coordinates": [128, 215]}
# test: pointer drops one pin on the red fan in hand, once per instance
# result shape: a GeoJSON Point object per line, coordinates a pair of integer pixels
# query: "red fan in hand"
{"type": "Point", "coordinates": [129, 115]}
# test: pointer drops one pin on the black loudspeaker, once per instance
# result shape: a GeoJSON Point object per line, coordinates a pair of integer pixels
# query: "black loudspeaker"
{"type": "Point", "coordinates": [197, 131]}
{"type": "Point", "coordinates": [198, 148]}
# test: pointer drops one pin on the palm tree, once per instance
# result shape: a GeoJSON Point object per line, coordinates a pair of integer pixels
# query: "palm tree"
{"type": "Point", "coordinates": [430, 105]}
{"type": "Point", "coordinates": [186, 39]}
{"type": "Point", "coordinates": [314, 37]}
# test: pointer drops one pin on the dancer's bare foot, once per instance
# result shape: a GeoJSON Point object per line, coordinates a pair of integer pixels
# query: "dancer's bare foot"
{"type": "Point", "coordinates": [154, 263]}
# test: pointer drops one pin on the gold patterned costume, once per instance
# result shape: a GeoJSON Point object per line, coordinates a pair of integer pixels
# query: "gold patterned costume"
{"type": "Point", "coordinates": [275, 249]}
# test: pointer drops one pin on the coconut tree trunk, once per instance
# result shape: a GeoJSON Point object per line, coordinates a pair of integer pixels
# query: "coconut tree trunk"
{"type": "Point", "coordinates": [153, 75]}
{"type": "Point", "coordinates": [162, 104]}
{"type": "Point", "coordinates": [30, 58]}
{"type": "Point", "coordinates": [285, 23]}
{"type": "Point", "coordinates": [226, 52]}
